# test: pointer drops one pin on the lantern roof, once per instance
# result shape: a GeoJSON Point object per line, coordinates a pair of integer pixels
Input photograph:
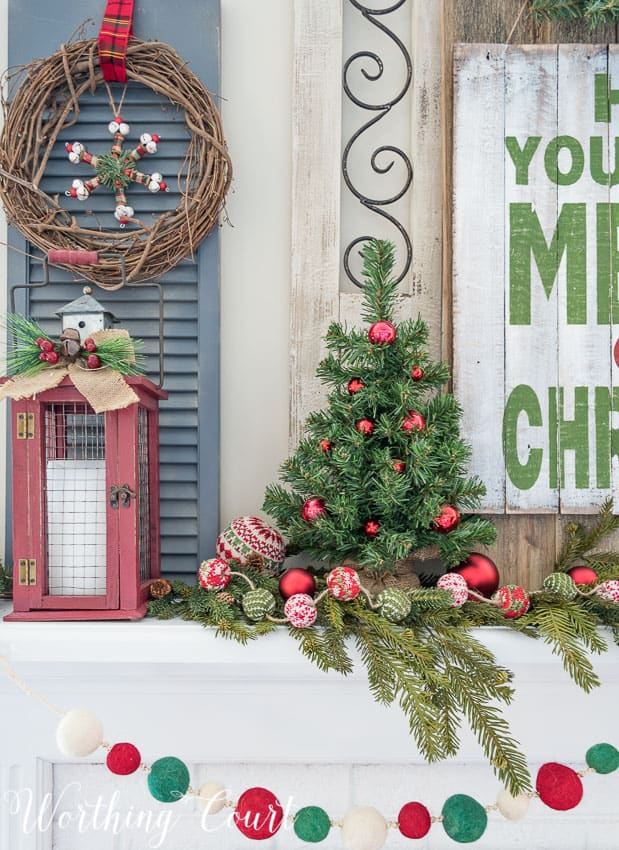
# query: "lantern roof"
{"type": "Point", "coordinates": [84, 304]}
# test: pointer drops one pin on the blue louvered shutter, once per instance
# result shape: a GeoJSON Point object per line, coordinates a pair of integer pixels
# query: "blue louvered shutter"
{"type": "Point", "coordinates": [189, 435]}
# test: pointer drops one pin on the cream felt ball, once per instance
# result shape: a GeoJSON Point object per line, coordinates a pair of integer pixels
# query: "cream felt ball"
{"type": "Point", "coordinates": [512, 808]}
{"type": "Point", "coordinates": [79, 733]}
{"type": "Point", "coordinates": [212, 795]}
{"type": "Point", "coordinates": [364, 828]}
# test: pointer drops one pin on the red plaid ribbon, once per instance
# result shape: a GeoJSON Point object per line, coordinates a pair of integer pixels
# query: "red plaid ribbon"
{"type": "Point", "coordinates": [116, 30]}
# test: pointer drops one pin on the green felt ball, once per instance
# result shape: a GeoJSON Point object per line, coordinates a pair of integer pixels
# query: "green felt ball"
{"type": "Point", "coordinates": [168, 780]}
{"type": "Point", "coordinates": [312, 824]}
{"type": "Point", "coordinates": [603, 758]}
{"type": "Point", "coordinates": [464, 819]}
{"type": "Point", "coordinates": [561, 584]}
{"type": "Point", "coordinates": [395, 605]}
{"type": "Point", "coordinates": [258, 603]}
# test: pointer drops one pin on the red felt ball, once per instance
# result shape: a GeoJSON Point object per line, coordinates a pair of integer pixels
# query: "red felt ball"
{"type": "Point", "coordinates": [297, 581]}
{"type": "Point", "coordinates": [583, 575]}
{"type": "Point", "coordinates": [382, 333]}
{"type": "Point", "coordinates": [123, 759]}
{"type": "Point", "coordinates": [52, 357]}
{"type": "Point", "coordinates": [414, 820]}
{"type": "Point", "coordinates": [480, 573]}
{"type": "Point", "coordinates": [417, 373]}
{"type": "Point", "coordinates": [399, 466]}
{"type": "Point", "coordinates": [258, 814]}
{"type": "Point", "coordinates": [558, 786]}
{"type": "Point", "coordinates": [365, 426]}
{"type": "Point", "coordinates": [448, 519]}
{"type": "Point", "coordinates": [92, 361]}
{"type": "Point", "coordinates": [46, 345]}
{"type": "Point", "coordinates": [354, 385]}
{"type": "Point", "coordinates": [371, 528]}
{"type": "Point", "coordinates": [313, 509]}
{"type": "Point", "coordinates": [414, 421]}
{"type": "Point", "coordinates": [326, 445]}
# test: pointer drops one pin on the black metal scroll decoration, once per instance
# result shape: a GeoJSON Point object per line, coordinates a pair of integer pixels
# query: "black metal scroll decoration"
{"type": "Point", "coordinates": [378, 205]}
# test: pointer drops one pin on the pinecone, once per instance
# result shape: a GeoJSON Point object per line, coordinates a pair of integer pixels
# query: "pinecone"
{"type": "Point", "coordinates": [255, 562]}
{"type": "Point", "coordinates": [160, 587]}
{"type": "Point", "coordinates": [226, 597]}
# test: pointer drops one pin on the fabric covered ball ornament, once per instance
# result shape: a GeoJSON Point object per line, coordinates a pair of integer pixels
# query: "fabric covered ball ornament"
{"type": "Point", "coordinates": [355, 386]}
{"type": "Point", "coordinates": [214, 574]}
{"type": "Point", "coordinates": [394, 604]}
{"type": "Point", "coordinates": [558, 786]}
{"type": "Point", "coordinates": [561, 584]}
{"type": "Point", "coordinates": [123, 759]}
{"type": "Point", "coordinates": [364, 828]}
{"type": "Point", "coordinates": [382, 333]}
{"type": "Point", "coordinates": [603, 758]}
{"type": "Point", "coordinates": [168, 780]}
{"type": "Point", "coordinates": [258, 814]}
{"type": "Point", "coordinates": [514, 600]}
{"type": "Point", "coordinates": [212, 795]}
{"type": "Point", "coordinates": [512, 808]}
{"type": "Point", "coordinates": [297, 581]}
{"type": "Point", "coordinates": [301, 611]}
{"type": "Point", "coordinates": [313, 509]}
{"type": "Point", "coordinates": [312, 824]}
{"type": "Point", "coordinates": [480, 573]}
{"type": "Point", "coordinates": [414, 820]}
{"type": "Point", "coordinates": [79, 733]}
{"type": "Point", "coordinates": [447, 520]}
{"type": "Point", "coordinates": [457, 586]}
{"type": "Point", "coordinates": [414, 421]}
{"type": "Point", "coordinates": [608, 590]}
{"type": "Point", "coordinates": [583, 575]}
{"type": "Point", "coordinates": [257, 604]}
{"type": "Point", "coordinates": [464, 819]}
{"type": "Point", "coordinates": [344, 583]}
{"type": "Point", "coordinates": [249, 535]}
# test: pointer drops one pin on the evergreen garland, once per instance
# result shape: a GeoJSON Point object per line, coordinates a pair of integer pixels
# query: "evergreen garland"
{"type": "Point", "coordinates": [595, 12]}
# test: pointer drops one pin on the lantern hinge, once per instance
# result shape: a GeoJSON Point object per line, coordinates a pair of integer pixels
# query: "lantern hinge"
{"type": "Point", "coordinates": [27, 571]}
{"type": "Point", "coordinates": [25, 426]}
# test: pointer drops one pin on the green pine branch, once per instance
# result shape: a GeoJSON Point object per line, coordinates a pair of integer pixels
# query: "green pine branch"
{"type": "Point", "coordinates": [548, 10]}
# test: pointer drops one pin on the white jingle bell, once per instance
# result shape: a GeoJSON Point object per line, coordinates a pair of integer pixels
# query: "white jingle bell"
{"type": "Point", "coordinates": [155, 180]}
{"type": "Point", "coordinates": [78, 148]}
{"type": "Point", "coordinates": [156, 177]}
{"type": "Point", "coordinates": [82, 193]}
{"type": "Point", "coordinates": [212, 796]}
{"type": "Point", "coordinates": [512, 808]}
{"type": "Point", "coordinates": [79, 733]}
{"type": "Point", "coordinates": [151, 147]}
{"type": "Point", "coordinates": [113, 127]}
{"type": "Point", "coordinates": [123, 213]}
{"type": "Point", "coordinates": [364, 828]}
{"type": "Point", "coordinates": [145, 138]}
{"type": "Point", "coordinates": [124, 129]}
{"type": "Point", "coordinates": [74, 157]}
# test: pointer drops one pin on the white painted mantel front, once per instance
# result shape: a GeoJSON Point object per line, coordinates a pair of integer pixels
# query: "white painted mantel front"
{"type": "Point", "coordinates": [262, 714]}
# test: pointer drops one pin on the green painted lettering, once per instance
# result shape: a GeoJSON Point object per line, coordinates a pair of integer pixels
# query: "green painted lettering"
{"type": "Point", "coordinates": [551, 160]}
{"type": "Point", "coordinates": [522, 399]}
{"type": "Point", "coordinates": [596, 150]}
{"type": "Point", "coordinates": [606, 438]}
{"type": "Point", "coordinates": [607, 263]}
{"type": "Point", "coordinates": [605, 97]}
{"type": "Point", "coordinates": [522, 157]}
{"type": "Point", "coordinates": [574, 436]}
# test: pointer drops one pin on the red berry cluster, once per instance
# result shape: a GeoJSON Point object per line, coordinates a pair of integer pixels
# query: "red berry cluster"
{"type": "Point", "coordinates": [48, 353]}
{"type": "Point", "coordinates": [92, 360]}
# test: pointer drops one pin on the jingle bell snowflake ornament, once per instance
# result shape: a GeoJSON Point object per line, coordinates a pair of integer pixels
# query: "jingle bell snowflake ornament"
{"type": "Point", "coordinates": [116, 169]}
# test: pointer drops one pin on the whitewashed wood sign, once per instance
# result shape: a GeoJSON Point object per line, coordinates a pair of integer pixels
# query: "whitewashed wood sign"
{"type": "Point", "coordinates": [536, 265]}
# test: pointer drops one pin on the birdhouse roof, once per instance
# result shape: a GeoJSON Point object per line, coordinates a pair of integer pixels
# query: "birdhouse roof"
{"type": "Point", "coordinates": [83, 304]}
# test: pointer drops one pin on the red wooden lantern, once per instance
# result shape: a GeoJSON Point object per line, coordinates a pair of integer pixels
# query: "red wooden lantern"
{"type": "Point", "coordinates": [85, 505]}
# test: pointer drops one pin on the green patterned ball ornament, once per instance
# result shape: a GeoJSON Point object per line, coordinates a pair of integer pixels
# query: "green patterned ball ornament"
{"type": "Point", "coordinates": [168, 780]}
{"type": "Point", "coordinates": [561, 584]}
{"type": "Point", "coordinates": [394, 604]}
{"type": "Point", "coordinates": [464, 819]}
{"type": "Point", "coordinates": [312, 824]}
{"type": "Point", "coordinates": [257, 604]}
{"type": "Point", "coordinates": [603, 758]}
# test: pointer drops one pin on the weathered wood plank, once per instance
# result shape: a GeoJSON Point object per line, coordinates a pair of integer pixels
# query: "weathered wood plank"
{"type": "Point", "coordinates": [613, 73]}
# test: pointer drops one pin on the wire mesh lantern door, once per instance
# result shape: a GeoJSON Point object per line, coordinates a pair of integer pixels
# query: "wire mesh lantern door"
{"type": "Point", "coordinates": [86, 505]}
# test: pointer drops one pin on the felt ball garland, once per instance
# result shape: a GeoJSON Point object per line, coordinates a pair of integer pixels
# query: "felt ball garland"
{"type": "Point", "coordinates": [123, 759]}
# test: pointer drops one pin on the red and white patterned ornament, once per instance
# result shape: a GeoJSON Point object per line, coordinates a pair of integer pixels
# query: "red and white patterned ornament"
{"type": "Point", "coordinates": [249, 535]}
{"type": "Point", "coordinates": [344, 583]}
{"type": "Point", "coordinates": [513, 599]}
{"type": "Point", "coordinates": [301, 611]}
{"type": "Point", "coordinates": [457, 586]}
{"type": "Point", "coordinates": [608, 590]}
{"type": "Point", "coordinates": [214, 574]}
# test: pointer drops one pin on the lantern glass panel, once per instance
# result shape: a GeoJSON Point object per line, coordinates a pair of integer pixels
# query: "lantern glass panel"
{"type": "Point", "coordinates": [144, 495]}
{"type": "Point", "coordinates": [75, 500]}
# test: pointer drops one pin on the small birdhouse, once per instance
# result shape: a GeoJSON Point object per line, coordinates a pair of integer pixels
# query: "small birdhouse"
{"type": "Point", "coordinates": [86, 315]}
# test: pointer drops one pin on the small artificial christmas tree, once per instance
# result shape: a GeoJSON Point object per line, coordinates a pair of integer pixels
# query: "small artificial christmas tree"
{"type": "Point", "coordinates": [381, 473]}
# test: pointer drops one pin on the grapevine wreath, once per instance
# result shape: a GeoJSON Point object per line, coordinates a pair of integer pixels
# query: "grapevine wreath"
{"type": "Point", "coordinates": [44, 101]}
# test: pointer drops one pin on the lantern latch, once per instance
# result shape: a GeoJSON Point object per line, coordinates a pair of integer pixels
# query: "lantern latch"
{"type": "Point", "coordinates": [27, 570]}
{"type": "Point", "coordinates": [25, 426]}
{"type": "Point", "coordinates": [122, 495]}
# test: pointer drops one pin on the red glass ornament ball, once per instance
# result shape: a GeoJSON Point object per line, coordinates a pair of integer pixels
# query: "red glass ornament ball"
{"type": "Point", "coordinates": [558, 786]}
{"type": "Point", "coordinates": [92, 361]}
{"type": "Point", "coordinates": [90, 344]}
{"type": "Point", "coordinates": [583, 575]}
{"type": "Point", "coordinates": [480, 573]}
{"type": "Point", "coordinates": [355, 385]}
{"type": "Point", "coordinates": [399, 466]}
{"type": "Point", "coordinates": [414, 421]}
{"type": "Point", "coordinates": [313, 509]}
{"type": "Point", "coordinates": [123, 759]}
{"type": "Point", "coordinates": [52, 357]}
{"type": "Point", "coordinates": [414, 820]}
{"type": "Point", "coordinates": [447, 520]}
{"type": "Point", "coordinates": [371, 528]}
{"type": "Point", "coordinates": [46, 345]}
{"type": "Point", "coordinates": [296, 581]}
{"type": "Point", "coordinates": [365, 426]}
{"type": "Point", "coordinates": [417, 373]}
{"type": "Point", "coordinates": [326, 445]}
{"type": "Point", "coordinates": [382, 333]}
{"type": "Point", "coordinates": [258, 814]}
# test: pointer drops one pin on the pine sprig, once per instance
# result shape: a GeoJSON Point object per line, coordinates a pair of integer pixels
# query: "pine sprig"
{"type": "Point", "coordinates": [548, 10]}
